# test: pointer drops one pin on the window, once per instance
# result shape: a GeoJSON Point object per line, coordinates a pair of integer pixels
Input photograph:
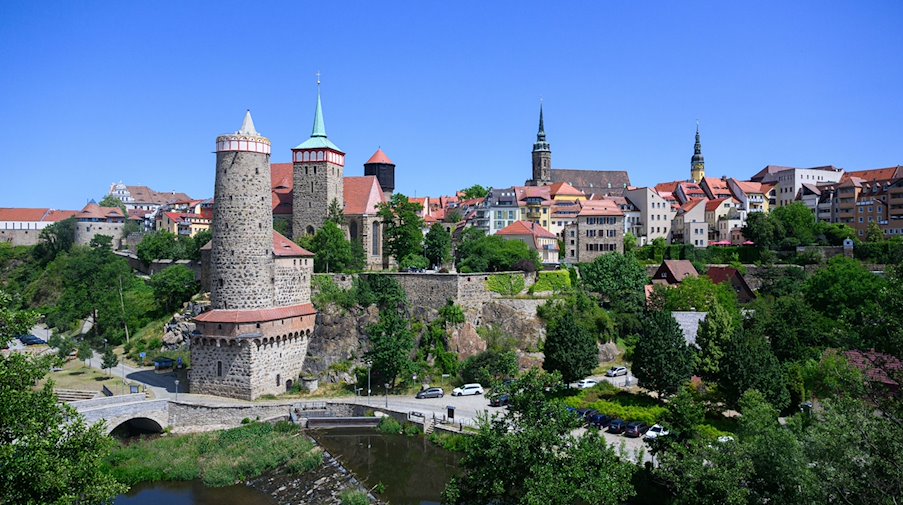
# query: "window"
{"type": "Point", "coordinates": [278, 379]}
{"type": "Point", "coordinates": [219, 368]}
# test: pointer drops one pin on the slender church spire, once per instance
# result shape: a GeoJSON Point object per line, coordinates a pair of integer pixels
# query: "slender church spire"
{"type": "Point", "coordinates": [319, 129]}
{"type": "Point", "coordinates": [697, 162]}
{"type": "Point", "coordinates": [541, 133]}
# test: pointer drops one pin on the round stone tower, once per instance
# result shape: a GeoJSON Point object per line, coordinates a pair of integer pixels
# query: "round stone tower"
{"type": "Point", "coordinates": [241, 269]}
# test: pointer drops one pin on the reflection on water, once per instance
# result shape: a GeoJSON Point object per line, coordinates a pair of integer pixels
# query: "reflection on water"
{"type": "Point", "coordinates": [192, 493]}
{"type": "Point", "coordinates": [413, 470]}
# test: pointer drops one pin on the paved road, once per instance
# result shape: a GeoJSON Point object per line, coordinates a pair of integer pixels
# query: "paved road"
{"type": "Point", "coordinates": [162, 385]}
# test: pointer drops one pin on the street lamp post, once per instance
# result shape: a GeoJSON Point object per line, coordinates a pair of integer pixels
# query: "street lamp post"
{"type": "Point", "coordinates": [368, 383]}
{"type": "Point", "coordinates": [177, 389]}
{"type": "Point", "coordinates": [387, 395]}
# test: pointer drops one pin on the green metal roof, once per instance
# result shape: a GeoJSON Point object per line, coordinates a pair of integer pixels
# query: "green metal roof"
{"type": "Point", "coordinates": [318, 138]}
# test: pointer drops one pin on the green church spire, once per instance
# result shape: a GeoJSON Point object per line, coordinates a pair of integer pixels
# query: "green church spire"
{"type": "Point", "coordinates": [319, 125]}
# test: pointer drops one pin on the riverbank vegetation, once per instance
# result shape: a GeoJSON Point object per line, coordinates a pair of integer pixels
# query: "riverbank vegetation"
{"type": "Point", "coordinates": [218, 458]}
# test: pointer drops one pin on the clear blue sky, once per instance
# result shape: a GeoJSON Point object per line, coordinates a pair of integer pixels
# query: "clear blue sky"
{"type": "Point", "coordinates": [97, 92]}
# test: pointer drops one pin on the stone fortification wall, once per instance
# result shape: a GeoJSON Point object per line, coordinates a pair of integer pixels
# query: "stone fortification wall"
{"type": "Point", "coordinates": [293, 281]}
{"type": "Point", "coordinates": [20, 237]}
{"type": "Point", "coordinates": [85, 231]}
{"type": "Point", "coordinates": [158, 266]}
{"type": "Point", "coordinates": [241, 261]}
{"type": "Point", "coordinates": [277, 365]}
{"type": "Point", "coordinates": [221, 367]}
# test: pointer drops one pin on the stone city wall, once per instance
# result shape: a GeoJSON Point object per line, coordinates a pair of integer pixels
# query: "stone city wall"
{"type": "Point", "coordinates": [158, 266]}
{"type": "Point", "coordinates": [221, 367]}
{"type": "Point", "coordinates": [20, 237]}
{"type": "Point", "coordinates": [85, 231]}
{"type": "Point", "coordinates": [293, 281]}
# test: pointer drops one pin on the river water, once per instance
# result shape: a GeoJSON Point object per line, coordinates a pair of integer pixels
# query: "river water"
{"type": "Point", "coordinates": [412, 470]}
{"type": "Point", "coordinates": [192, 493]}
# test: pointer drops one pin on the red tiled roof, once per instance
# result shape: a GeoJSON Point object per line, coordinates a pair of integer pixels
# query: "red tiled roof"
{"type": "Point", "coordinates": [94, 211]}
{"type": "Point", "coordinates": [878, 174]}
{"type": "Point", "coordinates": [600, 208]}
{"type": "Point", "coordinates": [362, 194]}
{"type": "Point", "coordinates": [754, 187]}
{"type": "Point", "coordinates": [59, 215]}
{"type": "Point", "coordinates": [379, 157]}
{"type": "Point", "coordinates": [564, 189]}
{"type": "Point", "coordinates": [876, 365]}
{"type": "Point", "coordinates": [719, 275]}
{"type": "Point", "coordinates": [285, 247]}
{"type": "Point", "coordinates": [30, 215]}
{"type": "Point", "coordinates": [691, 204]}
{"type": "Point", "coordinates": [681, 269]}
{"type": "Point", "coordinates": [712, 205]}
{"type": "Point", "coordinates": [532, 229]}
{"type": "Point", "coordinates": [255, 316]}
{"type": "Point", "coordinates": [667, 187]}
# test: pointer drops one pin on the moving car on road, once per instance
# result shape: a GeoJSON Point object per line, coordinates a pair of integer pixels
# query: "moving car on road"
{"type": "Point", "coordinates": [467, 390]}
{"type": "Point", "coordinates": [616, 371]}
{"type": "Point", "coordinates": [431, 393]}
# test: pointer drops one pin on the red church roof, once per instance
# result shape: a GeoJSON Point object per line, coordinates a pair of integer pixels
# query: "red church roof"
{"type": "Point", "coordinates": [285, 247]}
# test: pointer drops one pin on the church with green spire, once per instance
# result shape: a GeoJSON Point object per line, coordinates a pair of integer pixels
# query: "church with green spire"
{"type": "Point", "coordinates": [318, 168]}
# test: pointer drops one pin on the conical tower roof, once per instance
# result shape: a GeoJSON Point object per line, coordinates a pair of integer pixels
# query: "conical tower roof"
{"type": "Point", "coordinates": [379, 157]}
{"type": "Point", "coordinates": [318, 139]}
{"type": "Point", "coordinates": [247, 126]}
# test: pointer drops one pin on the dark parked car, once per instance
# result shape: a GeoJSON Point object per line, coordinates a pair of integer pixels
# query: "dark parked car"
{"type": "Point", "coordinates": [617, 426]}
{"type": "Point", "coordinates": [31, 340]}
{"type": "Point", "coordinates": [500, 400]}
{"type": "Point", "coordinates": [588, 416]}
{"type": "Point", "coordinates": [636, 429]}
{"type": "Point", "coordinates": [431, 393]}
{"type": "Point", "coordinates": [600, 421]}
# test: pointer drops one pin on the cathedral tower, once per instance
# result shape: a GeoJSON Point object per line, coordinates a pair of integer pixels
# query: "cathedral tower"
{"type": "Point", "coordinates": [319, 169]}
{"type": "Point", "coordinates": [241, 273]}
{"type": "Point", "coordinates": [697, 162]}
{"type": "Point", "coordinates": [542, 157]}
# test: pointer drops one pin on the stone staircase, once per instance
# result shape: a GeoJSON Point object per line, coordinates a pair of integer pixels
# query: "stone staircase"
{"type": "Point", "coordinates": [73, 395]}
{"type": "Point", "coordinates": [429, 425]}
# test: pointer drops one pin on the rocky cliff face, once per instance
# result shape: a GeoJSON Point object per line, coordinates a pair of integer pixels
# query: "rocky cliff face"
{"type": "Point", "coordinates": [340, 336]}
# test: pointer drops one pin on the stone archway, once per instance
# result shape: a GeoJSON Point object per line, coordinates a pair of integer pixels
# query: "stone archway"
{"type": "Point", "coordinates": [288, 384]}
{"type": "Point", "coordinates": [135, 426]}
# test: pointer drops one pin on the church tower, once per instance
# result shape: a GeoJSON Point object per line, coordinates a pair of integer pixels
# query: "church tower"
{"type": "Point", "coordinates": [697, 162]}
{"type": "Point", "coordinates": [542, 157]}
{"type": "Point", "coordinates": [319, 170]}
{"type": "Point", "coordinates": [380, 166]}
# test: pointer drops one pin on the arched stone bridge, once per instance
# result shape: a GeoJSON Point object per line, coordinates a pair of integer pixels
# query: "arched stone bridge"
{"type": "Point", "coordinates": [193, 414]}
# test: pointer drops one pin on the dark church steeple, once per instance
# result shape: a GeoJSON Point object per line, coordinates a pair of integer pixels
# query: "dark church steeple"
{"type": "Point", "coordinates": [542, 156]}
{"type": "Point", "coordinates": [697, 162]}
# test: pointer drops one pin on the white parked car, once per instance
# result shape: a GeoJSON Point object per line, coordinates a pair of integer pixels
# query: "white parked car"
{"type": "Point", "coordinates": [467, 390]}
{"type": "Point", "coordinates": [586, 383]}
{"type": "Point", "coordinates": [655, 432]}
{"type": "Point", "coordinates": [616, 371]}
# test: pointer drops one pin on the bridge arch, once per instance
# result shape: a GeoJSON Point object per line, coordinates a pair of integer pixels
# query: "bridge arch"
{"type": "Point", "coordinates": [136, 425]}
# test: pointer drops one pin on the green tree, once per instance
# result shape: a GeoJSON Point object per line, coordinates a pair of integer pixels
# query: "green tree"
{"type": "Point", "coordinates": [570, 350]}
{"type": "Point", "coordinates": [201, 239]}
{"type": "Point", "coordinates": [662, 361]}
{"type": "Point", "coordinates": [685, 413]}
{"type": "Point", "coordinates": [48, 456]}
{"type": "Point", "coordinates": [796, 221]}
{"type": "Point", "coordinates": [761, 230]}
{"type": "Point", "coordinates": [336, 213]}
{"type": "Point", "coordinates": [780, 470]}
{"type": "Point", "coordinates": [477, 252]}
{"type": "Point", "coordinates": [437, 246]}
{"type": "Point", "coordinates": [835, 233]}
{"type": "Point", "coordinates": [85, 352]}
{"type": "Point", "coordinates": [489, 366]}
{"type": "Point", "coordinates": [780, 281]}
{"type": "Point", "coordinates": [703, 473]}
{"type": "Point", "coordinates": [874, 233]}
{"type": "Point", "coordinates": [531, 456]}
{"type": "Point", "coordinates": [114, 201]}
{"type": "Point", "coordinates": [453, 216]}
{"type": "Point", "coordinates": [63, 345]}
{"type": "Point", "coordinates": [160, 245]}
{"type": "Point", "coordinates": [402, 226]}
{"type": "Point", "coordinates": [630, 242]}
{"type": "Point", "coordinates": [619, 278]}
{"type": "Point", "coordinates": [391, 344]}
{"type": "Point", "coordinates": [713, 337]}
{"type": "Point", "coordinates": [174, 286]}
{"type": "Point", "coordinates": [54, 240]}
{"type": "Point", "coordinates": [413, 262]}
{"type": "Point", "coordinates": [844, 290]}
{"type": "Point", "coordinates": [700, 293]}
{"type": "Point", "coordinates": [475, 191]}
{"type": "Point", "coordinates": [795, 330]}
{"type": "Point", "coordinates": [749, 363]}
{"type": "Point", "coordinates": [110, 360]}
{"type": "Point", "coordinates": [101, 242]}
{"type": "Point", "coordinates": [333, 252]}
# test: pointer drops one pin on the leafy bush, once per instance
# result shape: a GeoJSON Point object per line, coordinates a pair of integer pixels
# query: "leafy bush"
{"type": "Point", "coordinates": [449, 441]}
{"type": "Point", "coordinates": [556, 280]}
{"type": "Point", "coordinates": [649, 415]}
{"type": "Point", "coordinates": [506, 284]}
{"type": "Point", "coordinates": [354, 497]}
{"type": "Point", "coordinates": [488, 366]}
{"type": "Point", "coordinates": [306, 461]}
{"type": "Point", "coordinates": [389, 425]}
